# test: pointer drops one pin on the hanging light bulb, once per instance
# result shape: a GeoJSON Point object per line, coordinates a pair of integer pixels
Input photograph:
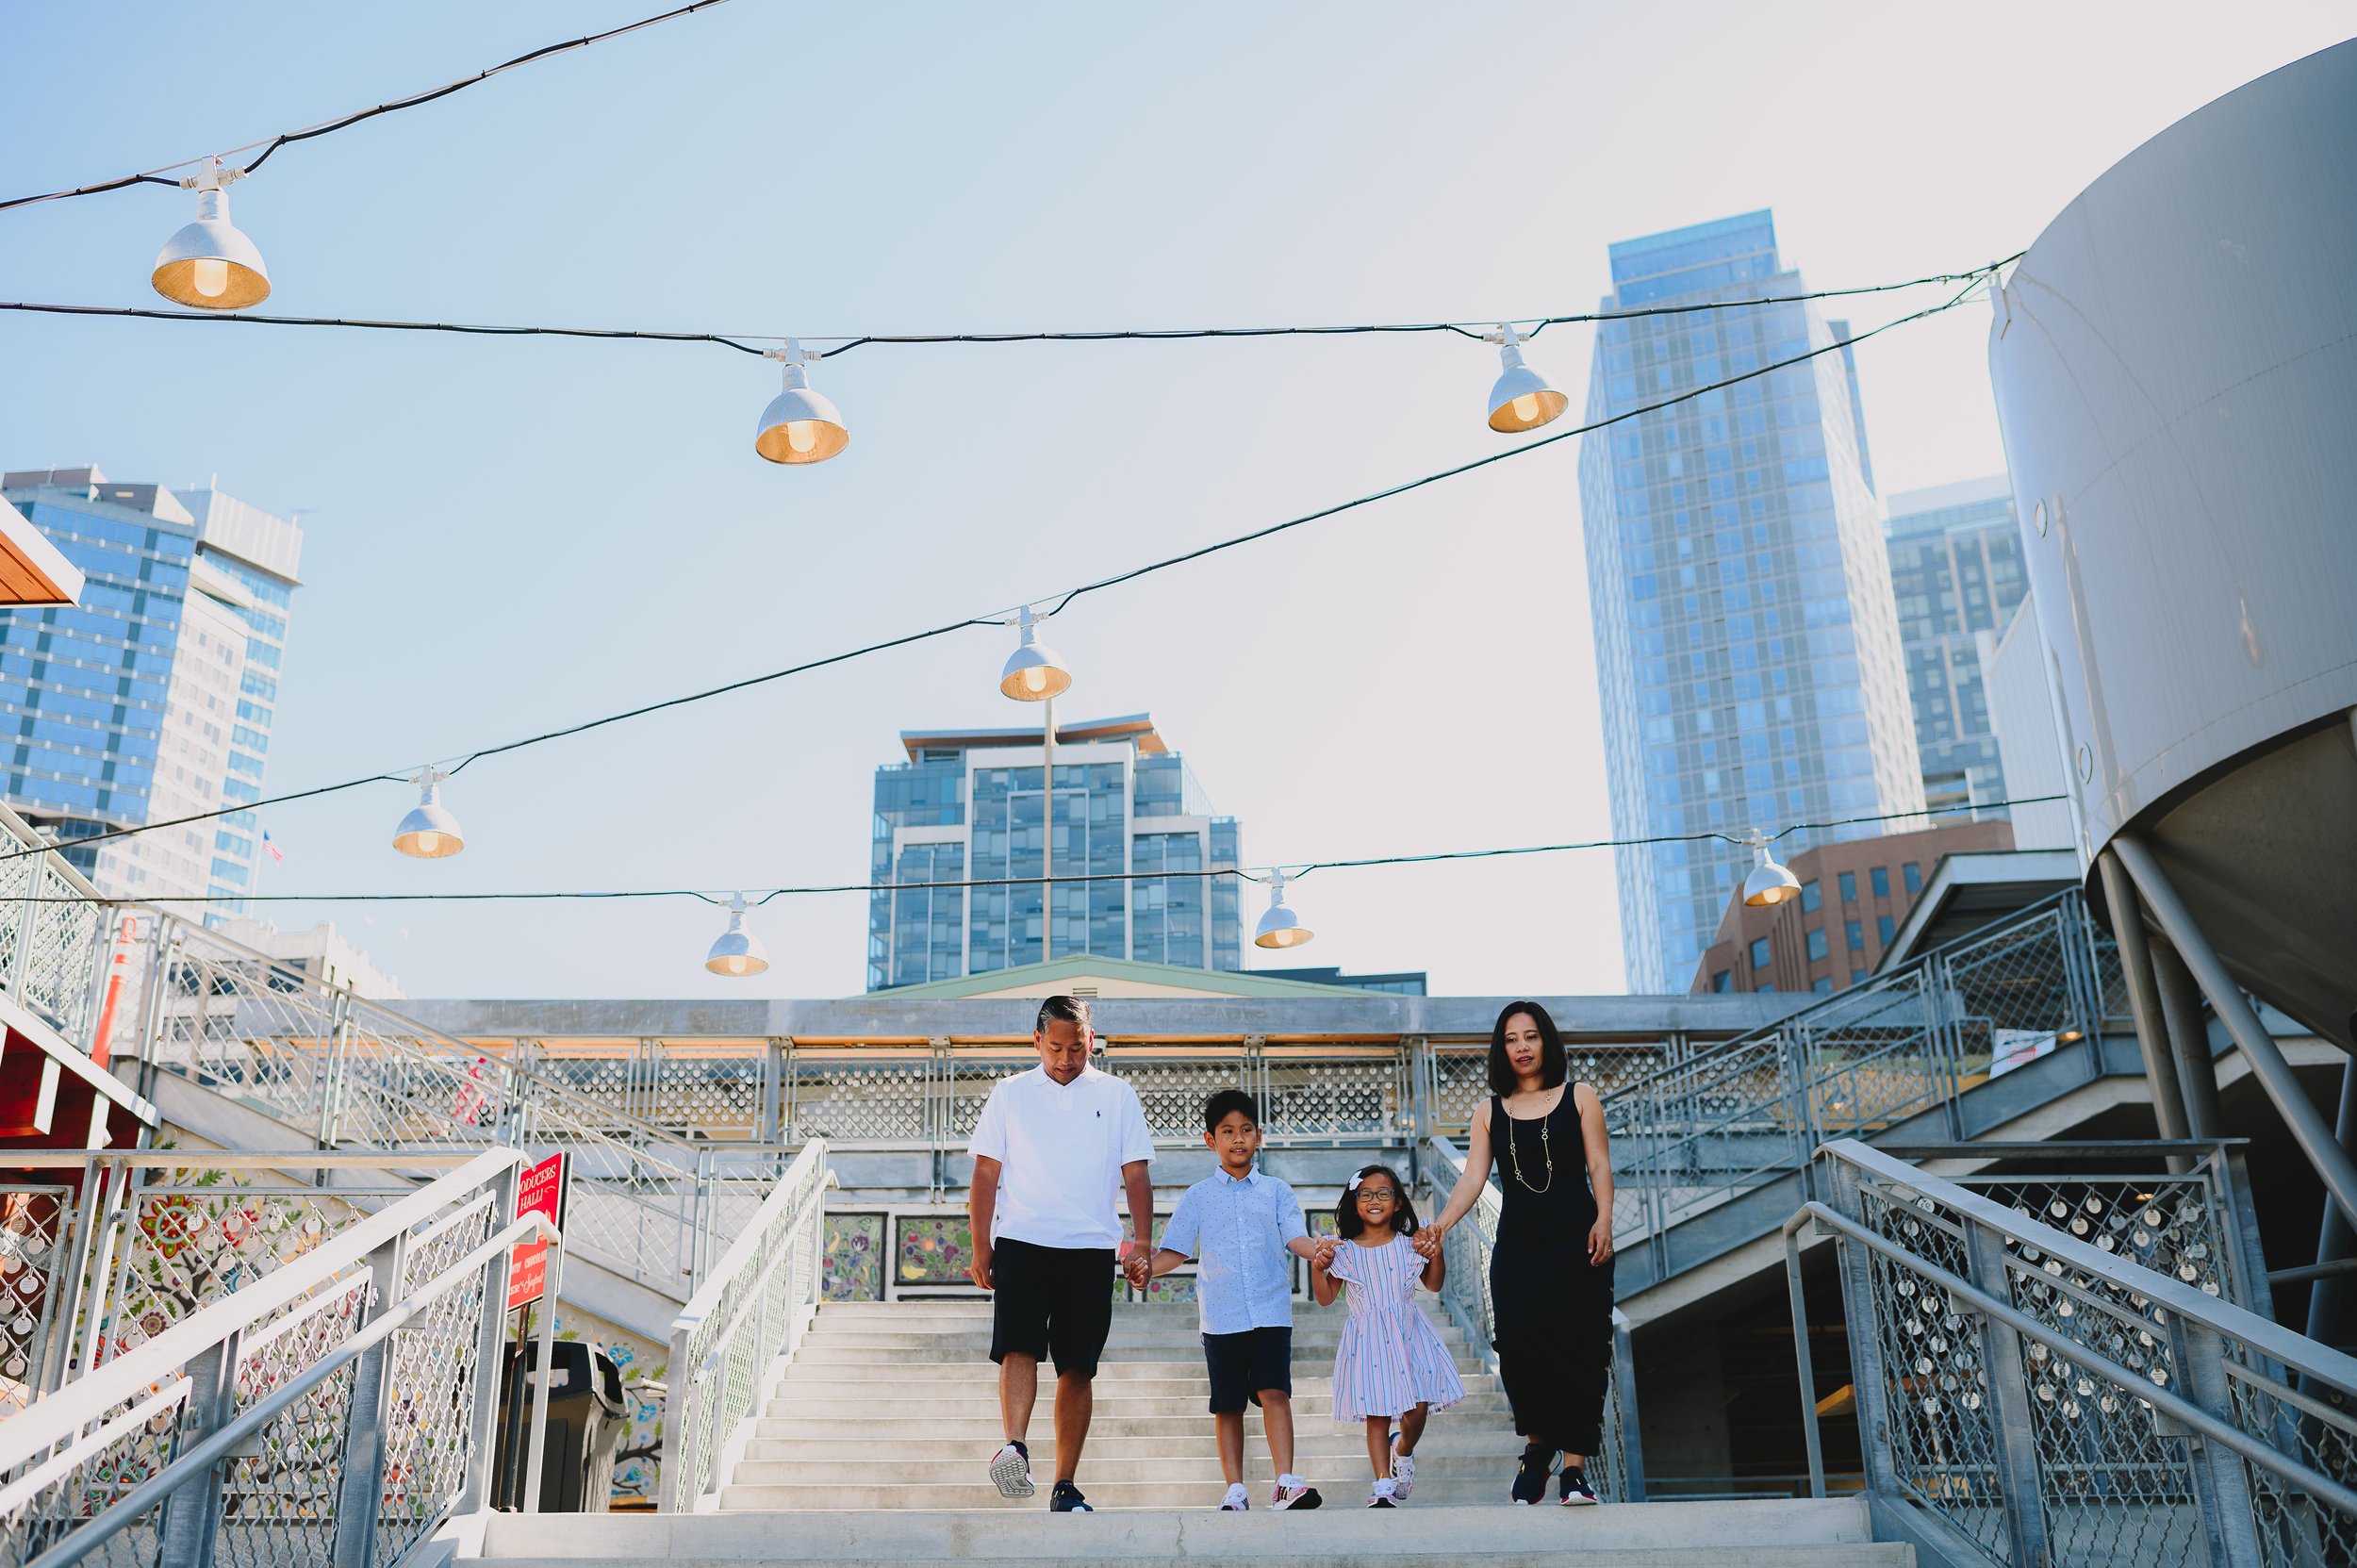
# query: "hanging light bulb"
{"type": "Point", "coordinates": [1769, 884]}
{"type": "Point", "coordinates": [209, 264]}
{"type": "Point", "coordinates": [1033, 673]}
{"type": "Point", "coordinates": [736, 950]}
{"type": "Point", "coordinates": [1280, 926]}
{"type": "Point", "coordinates": [799, 426]}
{"type": "Point", "coordinates": [1521, 400]}
{"type": "Point", "coordinates": [429, 831]}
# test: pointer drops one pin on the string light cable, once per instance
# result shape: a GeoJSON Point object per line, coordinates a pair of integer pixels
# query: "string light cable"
{"type": "Point", "coordinates": [1060, 601]}
{"type": "Point", "coordinates": [271, 144]}
{"type": "Point", "coordinates": [1262, 875]}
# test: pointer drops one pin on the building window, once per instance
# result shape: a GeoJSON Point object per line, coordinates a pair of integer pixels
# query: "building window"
{"type": "Point", "coordinates": [1881, 877]}
{"type": "Point", "coordinates": [1855, 934]}
{"type": "Point", "coordinates": [1765, 986]}
{"type": "Point", "coordinates": [1722, 980]}
{"type": "Point", "coordinates": [1882, 930]}
{"type": "Point", "coordinates": [1857, 976]}
{"type": "Point", "coordinates": [1759, 953]}
{"type": "Point", "coordinates": [1822, 986]}
{"type": "Point", "coordinates": [1810, 899]}
{"type": "Point", "coordinates": [1817, 941]}
{"type": "Point", "coordinates": [1849, 887]}
{"type": "Point", "coordinates": [1914, 877]}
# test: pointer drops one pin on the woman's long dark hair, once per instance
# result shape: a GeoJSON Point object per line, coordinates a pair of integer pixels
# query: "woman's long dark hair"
{"type": "Point", "coordinates": [1350, 1224]}
{"type": "Point", "coordinates": [1554, 1066]}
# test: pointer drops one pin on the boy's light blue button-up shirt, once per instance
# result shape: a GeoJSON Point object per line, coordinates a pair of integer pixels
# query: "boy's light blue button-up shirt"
{"type": "Point", "coordinates": [1236, 1232]}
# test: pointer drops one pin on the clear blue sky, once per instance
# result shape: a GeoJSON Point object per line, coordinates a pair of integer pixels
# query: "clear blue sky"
{"type": "Point", "coordinates": [504, 536]}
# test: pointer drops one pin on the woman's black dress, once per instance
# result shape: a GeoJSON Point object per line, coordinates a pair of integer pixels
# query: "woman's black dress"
{"type": "Point", "coordinates": [1553, 1308]}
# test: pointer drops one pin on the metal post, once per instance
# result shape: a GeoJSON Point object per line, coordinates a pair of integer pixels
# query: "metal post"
{"type": "Point", "coordinates": [2221, 1488]}
{"type": "Point", "coordinates": [191, 1516]}
{"type": "Point", "coordinates": [1870, 1381]}
{"type": "Point", "coordinates": [1803, 1360]}
{"type": "Point", "coordinates": [2015, 1427]}
{"type": "Point", "coordinates": [25, 908]}
{"type": "Point", "coordinates": [86, 1263]}
{"type": "Point", "coordinates": [2144, 1005]}
{"type": "Point", "coordinates": [542, 1374]}
{"type": "Point", "coordinates": [2328, 1298]}
{"type": "Point", "coordinates": [362, 1491]}
{"type": "Point", "coordinates": [2274, 1074]}
{"type": "Point", "coordinates": [490, 1341]}
{"type": "Point", "coordinates": [1631, 1438]}
{"type": "Point", "coordinates": [1047, 839]}
{"type": "Point", "coordinates": [2197, 1064]}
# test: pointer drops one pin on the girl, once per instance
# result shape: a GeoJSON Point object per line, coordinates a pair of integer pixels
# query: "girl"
{"type": "Point", "coordinates": [1390, 1363]}
{"type": "Point", "coordinates": [1551, 1272]}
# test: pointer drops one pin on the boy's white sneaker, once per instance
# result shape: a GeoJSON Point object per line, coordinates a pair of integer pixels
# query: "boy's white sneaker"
{"type": "Point", "coordinates": [1237, 1500]}
{"type": "Point", "coordinates": [1294, 1493]}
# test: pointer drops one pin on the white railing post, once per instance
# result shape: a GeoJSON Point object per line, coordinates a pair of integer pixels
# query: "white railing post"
{"type": "Point", "coordinates": [2009, 1390]}
{"type": "Point", "coordinates": [360, 1491]}
{"type": "Point", "coordinates": [490, 1347]}
{"type": "Point", "coordinates": [191, 1516]}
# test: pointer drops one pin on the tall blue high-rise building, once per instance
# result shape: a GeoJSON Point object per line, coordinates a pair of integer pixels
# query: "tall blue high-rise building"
{"type": "Point", "coordinates": [1956, 567]}
{"type": "Point", "coordinates": [154, 698]}
{"type": "Point", "coordinates": [968, 805]}
{"type": "Point", "coordinates": [1747, 646]}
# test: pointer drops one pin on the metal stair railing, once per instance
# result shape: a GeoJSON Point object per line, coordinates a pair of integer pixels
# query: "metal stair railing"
{"type": "Point", "coordinates": [334, 1412]}
{"type": "Point", "coordinates": [1697, 1134]}
{"type": "Point", "coordinates": [353, 1072]}
{"type": "Point", "coordinates": [734, 1337]}
{"type": "Point", "coordinates": [1618, 1471]}
{"type": "Point", "coordinates": [2027, 1400]}
{"type": "Point", "coordinates": [53, 926]}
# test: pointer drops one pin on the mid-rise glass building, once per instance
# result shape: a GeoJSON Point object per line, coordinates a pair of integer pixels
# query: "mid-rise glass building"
{"type": "Point", "coordinates": [1955, 568]}
{"type": "Point", "coordinates": [1747, 646]}
{"type": "Point", "coordinates": [970, 806]}
{"type": "Point", "coordinates": [152, 698]}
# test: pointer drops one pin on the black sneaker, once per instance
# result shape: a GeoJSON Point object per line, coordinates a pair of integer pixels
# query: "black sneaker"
{"type": "Point", "coordinates": [1530, 1475]}
{"type": "Point", "coordinates": [1577, 1492]}
{"type": "Point", "coordinates": [1066, 1499]}
{"type": "Point", "coordinates": [1011, 1470]}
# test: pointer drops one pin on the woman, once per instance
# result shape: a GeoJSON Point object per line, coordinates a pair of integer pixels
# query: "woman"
{"type": "Point", "coordinates": [1551, 1271]}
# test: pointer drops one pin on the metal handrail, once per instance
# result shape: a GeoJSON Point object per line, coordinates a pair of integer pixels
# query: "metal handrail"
{"type": "Point", "coordinates": [740, 1328]}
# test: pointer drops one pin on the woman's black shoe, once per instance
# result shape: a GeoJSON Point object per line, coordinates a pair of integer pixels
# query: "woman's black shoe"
{"type": "Point", "coordinates": [1530, 1476]}
{"type": "Point", "coordinates": [1576, 1490]}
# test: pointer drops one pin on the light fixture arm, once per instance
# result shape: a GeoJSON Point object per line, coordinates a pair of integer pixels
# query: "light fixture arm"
{"type": "Point", "coordinates": [212, 177]}
{"type": "Point", "coordinates": [1510, 343]}
{"type": "Point", "coordinates": [794, 357]}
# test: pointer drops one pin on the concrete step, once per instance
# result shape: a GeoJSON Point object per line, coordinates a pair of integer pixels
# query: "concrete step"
{"type": "Point", "coordinates": [962, 1433]}
{"type": "Point", "coordinates": [973, 1442]}
{"type": "Point", "coordinates": [980, 1495]}
{"type": "Point", "coordinates": [1762, 1534]}
{"type": "Point", "coordinates": [859, 1408]}
{"type": "Point", "coordinates": [976, 1345]}
{"type": "Point", "coordinates": [1161, 1380]}
{"type": "Point", "coordinates": [1117, 1361]}
{"type": "Point", "coordinates": [1327, 1471]}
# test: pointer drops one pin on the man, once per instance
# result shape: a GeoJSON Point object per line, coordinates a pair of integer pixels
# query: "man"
{"type": "Point", "coordinates": [1050, 1150]}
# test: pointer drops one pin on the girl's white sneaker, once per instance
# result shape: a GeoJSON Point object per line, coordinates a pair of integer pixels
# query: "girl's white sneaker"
{"type": "Point", "coordinates": [1385, 1492]}
{"type": "Point", "coordinates": [1237, 1501]}
{"type": "Point", "coordinates": [1403, 1474]}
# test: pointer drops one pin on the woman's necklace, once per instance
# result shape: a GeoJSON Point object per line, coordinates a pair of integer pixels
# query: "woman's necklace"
{"type": "Point", "coordinates": [1514, 1149]}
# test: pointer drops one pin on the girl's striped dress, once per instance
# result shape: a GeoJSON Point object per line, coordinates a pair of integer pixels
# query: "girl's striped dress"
{"type": "Point", "coordinates": [1392, 1358]}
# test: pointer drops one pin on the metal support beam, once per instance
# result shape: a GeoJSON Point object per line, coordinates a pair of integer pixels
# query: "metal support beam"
{"type": "Point", "coordinates": [2275, 1074]}
{"type": "Point", "coordinates": [2328, 1298]}
{"type": "Point", "coordinates": [2197, 1067]}
{"type": "Point", "coordinates": [2144, 1002]}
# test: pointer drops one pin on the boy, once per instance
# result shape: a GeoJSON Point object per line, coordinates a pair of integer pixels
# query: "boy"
{"type": "Point", "coordinates": [1240, 1225]}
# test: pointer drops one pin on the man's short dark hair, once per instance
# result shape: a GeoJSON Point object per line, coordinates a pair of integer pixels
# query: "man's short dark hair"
{"type": "Point", "coordinates": [1222, 1101]}
{"type": "Point", "coordinates": [1072, 1010]}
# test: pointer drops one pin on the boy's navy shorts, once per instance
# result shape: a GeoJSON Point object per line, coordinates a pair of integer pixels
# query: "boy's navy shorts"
{"type": "Point", "coordinates": [1244, 1366]}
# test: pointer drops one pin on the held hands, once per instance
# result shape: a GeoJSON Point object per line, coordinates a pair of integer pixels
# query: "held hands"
{"type": "Point", "coordinates": [1136, 1266]}
{"type": "Point", "coordinates": [1427, 1241]}
{"type": "Point", "coordinates": [1322, 1252]}
{"type": "Point", "coordinates": [1600, 1240]}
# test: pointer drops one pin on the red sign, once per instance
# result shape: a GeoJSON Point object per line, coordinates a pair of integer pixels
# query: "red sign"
{"type": "Point", "coordinates": [542, 1190]}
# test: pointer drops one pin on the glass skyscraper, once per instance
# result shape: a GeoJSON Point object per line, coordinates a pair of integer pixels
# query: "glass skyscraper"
{"type": "Point", "coordinates": [1955, 568]}
{"type": "Point", "coordinates": [1747, 646]}
{"type": "Point", "coordinates": [153, 697]}
{"type": "Point", "coordinates": [967, 805]}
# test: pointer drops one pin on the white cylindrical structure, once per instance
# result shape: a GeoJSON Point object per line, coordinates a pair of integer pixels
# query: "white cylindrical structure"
{"type": "Point", "coordinates": [2175, 365]}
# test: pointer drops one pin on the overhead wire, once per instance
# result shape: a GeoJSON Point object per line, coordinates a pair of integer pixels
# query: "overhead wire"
{"type": "Point", "coordinates": [1072, 879]}
{"type": "Point", "coordinates": [1060, 601]}
{"type": "Point", "coordinates": [271, 145]}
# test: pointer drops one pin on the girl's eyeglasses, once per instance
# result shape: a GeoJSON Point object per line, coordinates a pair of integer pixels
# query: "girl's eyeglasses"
{"type": "Point", "coordinates": [1385, 1193]}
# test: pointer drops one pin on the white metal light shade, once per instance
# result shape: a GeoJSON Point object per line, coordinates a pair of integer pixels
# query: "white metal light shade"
{"type": "Point", "coordinates": [736, 951]}
{"type": "Point", "coordinates": [1280, 926]}
{"type": "Point", "coordinates": [1033, 673]}
{"type": "Point", "coordinates": [799, 426]}
{"type": "Point", "coordinates": [1521, 399]}
{"type": "Point", "coordinates": [1769, 883]}
{"type": "Point", "coordinates": [429, 831]}
{"type": "Point", "coordinates": [210, 264]}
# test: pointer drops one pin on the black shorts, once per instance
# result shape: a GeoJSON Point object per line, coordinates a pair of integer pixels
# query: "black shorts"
{"type": "Point", "coordinates": [1054, 1301]}
{"type": "Point", "coordinates": [1244, 1366]}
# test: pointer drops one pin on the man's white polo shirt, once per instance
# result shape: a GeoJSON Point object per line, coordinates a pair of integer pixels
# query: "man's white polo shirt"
{"type": "Point", "coordinates": [1060, 1148]}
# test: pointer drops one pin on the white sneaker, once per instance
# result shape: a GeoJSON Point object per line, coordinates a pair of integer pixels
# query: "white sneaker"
{"type": "Point", "coordinates": [1294, 1493]}
{"type": "Point", "coordinates": [1010, 1471]}
{"type": "Point", "coordinates": [1403, 1474]}
{"type": "Point", "coordinates": [1385, 1492]}
{"type": "Point", "coordinates": [1237, 1501]}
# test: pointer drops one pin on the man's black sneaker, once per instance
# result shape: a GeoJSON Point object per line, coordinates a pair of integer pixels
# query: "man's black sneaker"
{"type": "Point", "coordinates": [1530, 1475]}
{"type": "Point", "coordinates": [1577, 1492]}
{"type": "Point", "coordinates": [1066, 1499]}
{"type": "Point", "coordinates": [1011, 1470]}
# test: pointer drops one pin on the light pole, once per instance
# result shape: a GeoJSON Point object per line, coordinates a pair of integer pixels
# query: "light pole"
{"type": "Point", "coordinates": [1033, 673]}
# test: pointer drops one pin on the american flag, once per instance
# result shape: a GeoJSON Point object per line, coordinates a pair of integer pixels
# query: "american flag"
{"type": "Point", "coordinates": [275, 857]}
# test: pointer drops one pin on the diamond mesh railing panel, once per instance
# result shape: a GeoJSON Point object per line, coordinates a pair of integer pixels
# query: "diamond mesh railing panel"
{"type": "Point", "coordinates": [1329, 1092]}
{"type": "Point", "coordinates": [2297, 1527]}
{"type": "Point", "coordinates": [36, 1222]}
{"type": "Point", "coordinates": [185, 1247]}
{"type": "Point", "coordinates": [119, 1453]}
{"type": "Point", "coordinates": [1172, 1087]}
{"type": "Point", "coordinates": [280, 1489]}
{"type": "Point", "coordinates": [429, 1372]}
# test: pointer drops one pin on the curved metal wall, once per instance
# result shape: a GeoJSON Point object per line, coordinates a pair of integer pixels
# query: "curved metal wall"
{"type": "Point", "coordinates": [2175, 364]}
